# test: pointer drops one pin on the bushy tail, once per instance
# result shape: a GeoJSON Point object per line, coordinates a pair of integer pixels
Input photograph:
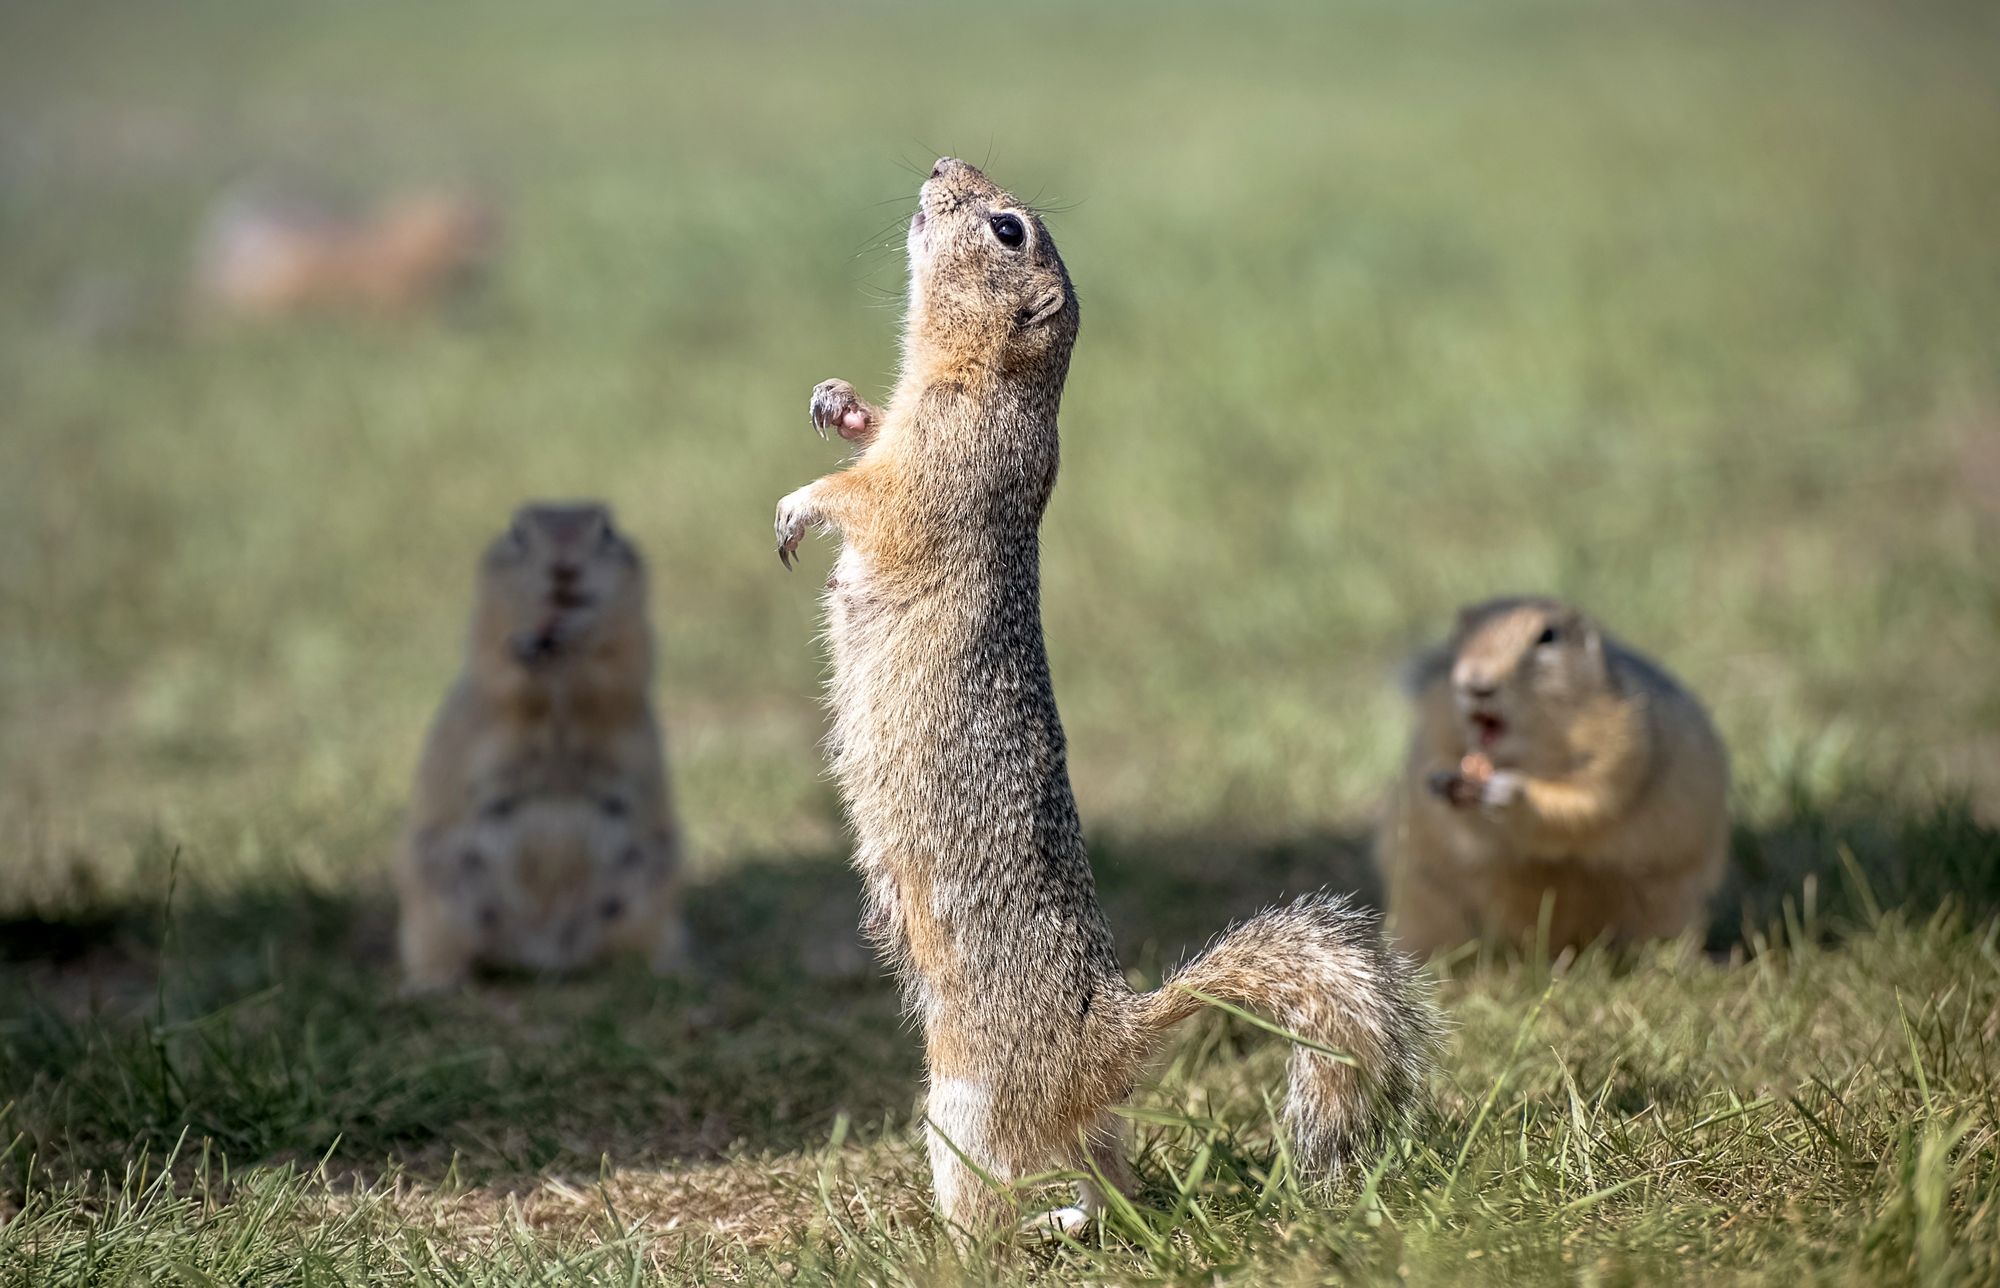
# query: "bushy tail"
{"type": "Point", "coordinates": [1319, 969]}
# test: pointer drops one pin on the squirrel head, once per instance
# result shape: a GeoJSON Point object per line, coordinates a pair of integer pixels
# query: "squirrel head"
{"type": "Point", "coordinates": [987, 288]}
{"type": "Point", "coordinates": [558, 572]}
{"type": "Point", "coordinates": [1519, 669]}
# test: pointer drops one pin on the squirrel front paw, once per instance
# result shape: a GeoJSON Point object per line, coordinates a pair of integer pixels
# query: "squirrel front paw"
{"type": "Point", "coordinates": [549, 639]}
{"type": "Point", "coordinates": [1475, 783]}
{"type": "Point", "coordinates": [796, 514]}
{"type": "Point", "coordinates": [837, 407]}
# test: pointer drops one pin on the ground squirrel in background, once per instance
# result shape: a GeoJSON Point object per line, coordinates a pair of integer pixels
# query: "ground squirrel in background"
{"type": "Point", "coordinates": [262, 258]}
{"type": "Point", "coordinates": [541, 833]}
{"type": "Point", "coordinates": [950, 755]}
{"type": "Point", "coordinates": [1551, 762]}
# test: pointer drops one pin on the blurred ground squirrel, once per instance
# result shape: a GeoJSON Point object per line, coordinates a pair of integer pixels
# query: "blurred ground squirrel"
{"type": "Point", "coordinates": [950, 754]}
{"type": "Point", "coordinates": [265, 258]}
{"type": "Point", "coordinates": [1549, 760]}
{"type": "Point", "coordinates": [541, 832]}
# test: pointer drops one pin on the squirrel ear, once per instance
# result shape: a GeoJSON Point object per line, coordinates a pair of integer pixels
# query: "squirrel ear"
{"type": "Point", "coordinates": [1426, 668]}
{"type": "Point", "coordinates": [1592, 637]}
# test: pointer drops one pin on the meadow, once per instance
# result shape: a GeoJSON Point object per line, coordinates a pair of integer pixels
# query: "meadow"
{"type": "Point", "coordinates": [1686, 312]}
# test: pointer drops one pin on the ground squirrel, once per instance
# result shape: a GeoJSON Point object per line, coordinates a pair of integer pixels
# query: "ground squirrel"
{"type": "Point", "coordinates": [1551, 760]}
{"type": "Point", "coordinates": [541, 832]}
{"type": "Point", "coordinates": [950, 755]}
{"type": "Point", "coordinates": [263, 258]}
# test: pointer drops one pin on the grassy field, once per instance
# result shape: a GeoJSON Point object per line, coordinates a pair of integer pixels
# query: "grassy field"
{"type": "Point", "coordinates": [1688, 312]}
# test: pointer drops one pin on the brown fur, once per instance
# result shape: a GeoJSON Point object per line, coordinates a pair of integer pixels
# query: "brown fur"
{"type": "Point", "coordinates": [1608, 797]}
{"type": "Point", "coordinates": [950, 755]}
{"type": "Point", "coordinates": [540, 833]}
{"type": "Point", "coordinates": [264, 260]}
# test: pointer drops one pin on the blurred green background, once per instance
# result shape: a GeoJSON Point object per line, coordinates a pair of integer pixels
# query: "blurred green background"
{"type": "Point", "coordinates": [1687, 312]}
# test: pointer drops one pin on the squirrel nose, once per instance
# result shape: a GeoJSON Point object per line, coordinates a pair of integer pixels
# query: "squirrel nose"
{"type": "Point", "coordinates": [943, 164]}
{"type": "Point", "coordinates": [565, 572]}
{"type": "Point", "coordinates": [1482, 690]}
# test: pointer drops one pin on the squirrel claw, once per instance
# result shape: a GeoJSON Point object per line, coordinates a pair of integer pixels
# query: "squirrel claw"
{"type": "Point", "coordinates": [1460, 790]}
{"type": "Point", "coordinates": [1454, 788]}
{"type": "Point", "coordinates": [795, 515]}
{"type": "Point", "coordinates": [836, 406]}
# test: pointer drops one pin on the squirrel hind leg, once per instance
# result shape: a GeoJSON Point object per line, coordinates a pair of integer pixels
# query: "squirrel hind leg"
{"type": "Point", "coordinates": [669, 957]}
{"type": "Point", "coordinates": [1101, 1157]}
{"type": "Point", "coordinates": [435, 955]}
{"type": "Point", "coordinates": [1425, 918]}
{"type": "Point", "coordinates": [976, 1156]}
{"type": "Point", "coordinates": [961, 1138]}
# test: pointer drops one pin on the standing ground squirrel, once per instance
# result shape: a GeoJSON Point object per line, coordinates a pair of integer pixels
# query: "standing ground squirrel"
{"type": "Point", "coordinates": [263, 259]}
{"type": "Point", "coordinates": [541, 832]}
{"type": "Point", "coordinates": [950, 755]}
{"type": "Point", "coordinates": [1551, 760]}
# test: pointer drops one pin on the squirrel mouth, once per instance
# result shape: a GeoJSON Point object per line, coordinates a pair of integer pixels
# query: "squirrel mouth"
{"type": "Point", "coordinates": [1487, 727]}
{"type": "Point", "coordinates": [917, 220]}
{"type": "Point", "coordinates": [539, 646]}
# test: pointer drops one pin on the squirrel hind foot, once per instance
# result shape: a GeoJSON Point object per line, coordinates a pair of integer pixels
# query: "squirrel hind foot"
{"type": "Point", "coordinates": [1058, 1224]}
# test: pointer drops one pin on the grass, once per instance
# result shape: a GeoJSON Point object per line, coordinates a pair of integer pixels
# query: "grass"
{"type": "Point", "coordinates": [1687, 313]}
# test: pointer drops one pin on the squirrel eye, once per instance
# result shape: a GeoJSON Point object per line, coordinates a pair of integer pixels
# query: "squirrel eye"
{"type": "Point", "coordinates": [1548, 635]}
{"type": "Point", "coordinates": [1009, 229]}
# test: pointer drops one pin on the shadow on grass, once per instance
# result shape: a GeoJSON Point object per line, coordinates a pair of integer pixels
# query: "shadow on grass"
{"type": "Point", "coordinates": [266, 1019]}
